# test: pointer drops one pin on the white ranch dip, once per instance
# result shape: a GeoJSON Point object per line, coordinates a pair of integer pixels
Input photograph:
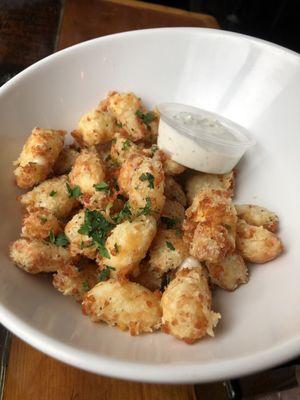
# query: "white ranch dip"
{"type": "Point", "coordinates": [199, 139]}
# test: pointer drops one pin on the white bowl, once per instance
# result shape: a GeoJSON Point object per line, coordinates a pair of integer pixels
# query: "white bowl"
{"type": "Point", "coordinates": [252, 82]}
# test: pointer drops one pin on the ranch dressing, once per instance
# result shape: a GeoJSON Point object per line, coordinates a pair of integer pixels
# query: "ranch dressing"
{"type": "Point", "coordinates": [200, 140]}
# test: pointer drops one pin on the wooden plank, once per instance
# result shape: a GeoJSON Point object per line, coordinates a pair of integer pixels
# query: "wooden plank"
{"type": "Point", "coordinates": [33, 375]}
{"type": "Point", "coordinates": [85, 20]}
{"type": "Point", "coordinates": [28, 32]}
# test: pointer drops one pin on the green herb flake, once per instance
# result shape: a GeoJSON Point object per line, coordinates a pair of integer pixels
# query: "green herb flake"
{"type": "Point", "coordinates": [117, 248]}
{"type": "Point", "coordinates": [146, 118]}
{"type": "Point", "coordinates": [169, 222]}
{"type": "Point", "coordinates": [154, 149]}
{"type": "Point", "coordinates": [43, 220]}
{"type": "Point", "coordinates": [126, 145]}
{"type": "Point", "coordinates": [148, 177]}
{"type": "Point", "coordinates": [170, 246]}
{"type": "Point", "coordinates": [147, 209]}
{"type": "Point", "coordinates": [61, 240]}
{"type": "Point", "coordinates": [73, 192]}
{"type": "Point", "coordinates": [85, 286]}
{"type": "Point", "coordinates": [97, 228]}
{"type": "Point", "coordinates": [52, 193]}
{"type": "Point", "coordinates": [125, 213]}
{"type": "Point", "coordinates": [102, 187]}
{"type": "Point", "coordinates": [105, 273]}
{"type": "Point", "coordinates": [51, 237]}
{"type": "Point", "coordinates": [119, 124]}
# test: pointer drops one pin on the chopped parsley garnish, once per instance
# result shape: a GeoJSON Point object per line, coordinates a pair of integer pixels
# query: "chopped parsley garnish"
{"type": "Point", "coordinates": [105, 273]}
{"type": "Point", "coordinates": [51, 237]}
{"type": "Point", "coordinates": [170, 246]}
{"type": "Point", "coordinates": [147, 118]}
{"type": "Point", "coordinates": [96, 227]}
{"type": "Point", "coordinates": [43, 220]}
{"type": "Point", "coordinates": [126, 145]}
{"type": "Point", "coordinates": [73, 192]}
{"type": "Point", "coordinates": [154, 149]}
{"type": "Point", "coordinates": [148, 177]}
{"type": "Point", "coordinates": [147, 209]}
{"type": "Point", "coordinates": [116, 247]}
{"type": "Point", "coordinates": [169, 222]}
{"type": "Point", "coordinates": [60, 240]}
{"type": "Point", "coordinates": [102, 187]}
{"type": "Point", "coordinates": [119, 124]}
{"type": "Point", "coordinates": [52, 193]}
{"type": "Point", "coordinates": [125, 213]}
{"type": "Point", "coordinates": [85, 286]}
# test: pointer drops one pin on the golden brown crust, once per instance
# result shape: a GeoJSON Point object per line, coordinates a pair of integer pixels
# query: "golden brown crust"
{"type": "Point", "coordinates": [167, 252]}
{"type": "Point", "coordinates": [65, 160]}
{"type": "Point", "coordinates": [124, 107]}
{"type": "Point", "coordinates": [88, 171]}
{"type": "Point", "coordinates": [129, 306]}
{"type": "Point", "coordinates": [37, 256]}
{"type": "Point", "coordinates": [95, 127]}
{"type": "Point", "coordinates": [38, 223]}
{"type": "Point", "coordinates": [199, 181]}
{"type": "Point", "coordinates": [256, 244]}
{"type": "Point", "coordinates": [138, 189]}
{"type": "Point", "coordinates": [258, 216]}
{"type": "Point", "coordinates": [72, 281]}
{"type": "Point", "coordinates": [229, 273]}
{"type": "Point", "coordinates": [79, 244]}
{"type": "Point", "coordinates": [51, 195]}
{"type": "Point", "coordinates": [38, 156]}
{"type": "Point", "coordinates": [210, 225]}
{"type": "Point", "coordinates": [128, 244]}
{"type": "Point", "coordinates": [186, 306]}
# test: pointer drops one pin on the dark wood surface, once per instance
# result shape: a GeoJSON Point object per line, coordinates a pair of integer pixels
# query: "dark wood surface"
{"type": "Point", "coordinates": [83, 20]}
{"type": "Point", "coordinates": [29, 31]}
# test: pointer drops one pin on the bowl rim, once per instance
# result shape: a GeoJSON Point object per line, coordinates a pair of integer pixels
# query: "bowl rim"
{"type": "Point", "coordinates": [179, 372]}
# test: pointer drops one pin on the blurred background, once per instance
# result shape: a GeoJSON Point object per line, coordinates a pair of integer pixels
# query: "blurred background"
{"type": "Point", "coordinates": [273, 20]}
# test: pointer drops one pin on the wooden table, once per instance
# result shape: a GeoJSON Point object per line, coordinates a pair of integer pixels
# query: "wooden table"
{"type": "Point", "coordinates": [30, 30]}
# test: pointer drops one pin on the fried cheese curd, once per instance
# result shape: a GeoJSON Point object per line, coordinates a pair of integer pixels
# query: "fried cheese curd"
{"type": "Point", "coordinates": [128, 244]}
{"type": "Point", "coordinates": [95, 127]}
{"type": "Point", "coordinates": [229, 273]}
{"type": "Point", "coordinates": [198, 181]}
{"type": "Point", "coordinates": [127, 306]}
{"type": "Point", "coordinates": [186, 306]}
{"type": "Point", "coordinates": [88, 172]}
{"type": "Point", "coordinates": [257, 244]}
{"type": "Point", "coordinates": [107, 217]}
{"type": "Point", "coordinates": [52, 195]}
{"type": "Point", "coordinates": [141, 179]}
{"type": "Point", "coordinates": [71, 280]}
{"type": "Point", "coordinates": [210, 225]}
{"type": "Point", "coordinates": [258, 216]}
{"type": "Point", "coordinates": [38, 156]}
{"type": "Point", "coordinates": [36, 256]}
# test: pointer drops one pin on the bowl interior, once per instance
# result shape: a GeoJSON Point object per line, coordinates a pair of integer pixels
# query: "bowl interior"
{"type": "Point", "coordinates": [248, 81]}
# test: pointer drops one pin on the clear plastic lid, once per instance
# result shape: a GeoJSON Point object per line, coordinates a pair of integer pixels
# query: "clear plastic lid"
{"type": "Point", "coordinates": [213, 128]}
{"type": "Point", "coordinates": [200, 139]}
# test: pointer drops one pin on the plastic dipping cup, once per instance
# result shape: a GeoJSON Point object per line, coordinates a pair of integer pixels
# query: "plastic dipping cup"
{"type": "Point", "coordinates": [201, 140]}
